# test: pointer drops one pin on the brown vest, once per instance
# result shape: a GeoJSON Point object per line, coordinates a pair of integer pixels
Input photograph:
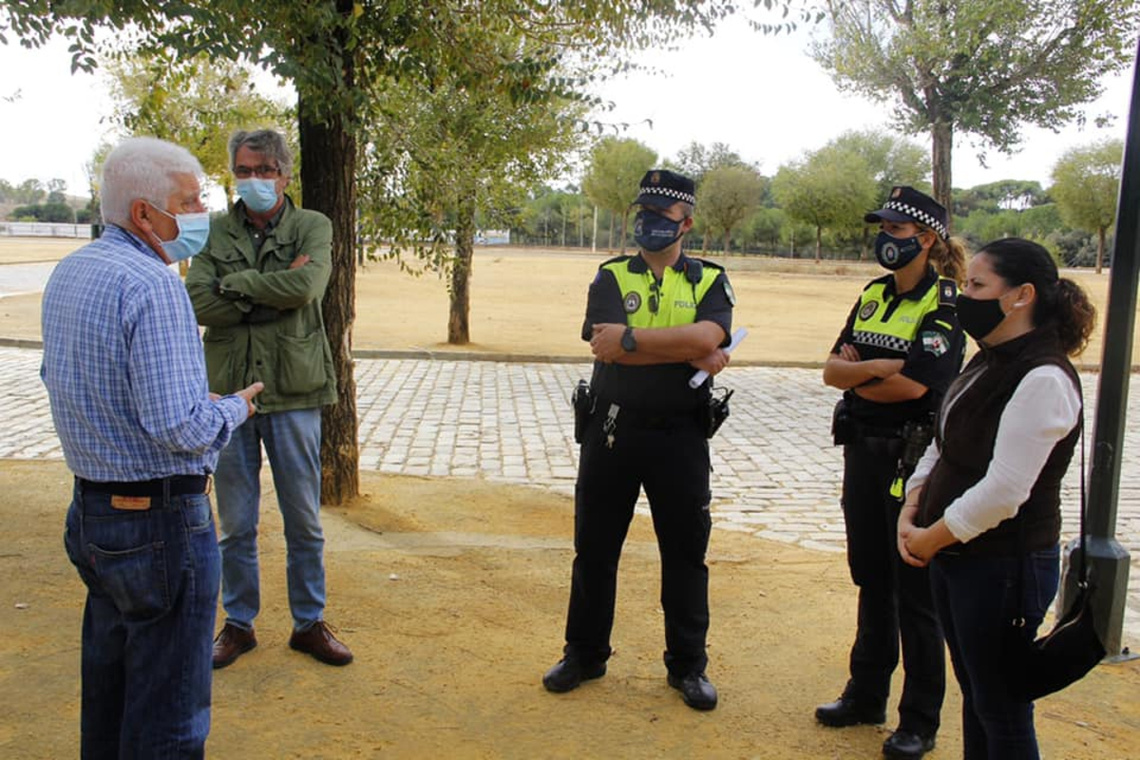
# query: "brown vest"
{"type": "Point", "coordinates": [966, 439]}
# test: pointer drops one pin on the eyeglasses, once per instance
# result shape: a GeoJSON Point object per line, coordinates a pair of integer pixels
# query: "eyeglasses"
{"type": "Point", "coordinates": [264, 171]}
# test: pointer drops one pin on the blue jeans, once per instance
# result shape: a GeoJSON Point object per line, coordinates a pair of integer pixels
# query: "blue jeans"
{"type": "Point", "coordinates": [977, 597]}
{"type": "Point", "coordinates": [293, 445]}
{"type": "Point", "coordinates": [148, 626]}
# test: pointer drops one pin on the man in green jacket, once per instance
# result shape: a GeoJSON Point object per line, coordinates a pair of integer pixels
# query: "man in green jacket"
{"type": "Point", "coordinates": [257, 288]}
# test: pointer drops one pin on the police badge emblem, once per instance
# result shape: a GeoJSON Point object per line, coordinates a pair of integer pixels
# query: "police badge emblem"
{"type": "Point", "coordinates": [729, 293]}
{"type": "Point", "coordinates": [935, 343]}
{"type": "Point", "coordinates": [632, 301]}
{"type": "Point", "coordinates": [868, 310]}
{"type": "Point", "coordinates": [890, 253]}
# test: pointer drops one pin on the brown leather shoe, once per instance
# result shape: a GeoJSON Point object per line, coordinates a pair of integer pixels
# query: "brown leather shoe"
{"type": "Point", "coordinates": [231, 643]}
{"type": "Point", "coordinates": [318, 640]}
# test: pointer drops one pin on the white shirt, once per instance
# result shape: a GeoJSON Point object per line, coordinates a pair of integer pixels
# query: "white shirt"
{"type": "Point", "coordinates": [1044, 408]}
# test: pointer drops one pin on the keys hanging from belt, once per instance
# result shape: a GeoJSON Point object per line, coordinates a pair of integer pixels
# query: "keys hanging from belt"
{"type": "Point", "coordinates": [610, 425]}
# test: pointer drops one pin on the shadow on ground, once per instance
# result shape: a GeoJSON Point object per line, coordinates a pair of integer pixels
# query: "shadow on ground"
{"type": "Point", "coordinates": [452, 595]}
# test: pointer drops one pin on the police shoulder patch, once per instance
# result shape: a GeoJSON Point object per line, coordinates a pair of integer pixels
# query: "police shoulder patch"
{"type": "Point", "coordinates": [868, 310]}
{"type": "Point", "coordinates": [947, 292]}
{"type": "Point", "coordinates": [632, 301]}
{"type": "Point", "coordinates": [729, 293]}
{"type": "Point", "coordinates": [934, 342]}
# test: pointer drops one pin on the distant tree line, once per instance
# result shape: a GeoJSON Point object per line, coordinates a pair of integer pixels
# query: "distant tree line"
{"type": "Point", "coordinates": [813, 206]}
{"type": "Point", "coordinates": [33, 201]}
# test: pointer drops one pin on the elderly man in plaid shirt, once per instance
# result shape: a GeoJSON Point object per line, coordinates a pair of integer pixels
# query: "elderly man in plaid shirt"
{"type": "Point", "coordinates": [126, 379]}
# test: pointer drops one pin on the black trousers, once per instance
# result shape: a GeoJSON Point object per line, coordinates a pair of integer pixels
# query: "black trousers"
{"type": "Point", "coordinates": [894, 598]}
{"type": "Point", "coordinates": [672, 465]}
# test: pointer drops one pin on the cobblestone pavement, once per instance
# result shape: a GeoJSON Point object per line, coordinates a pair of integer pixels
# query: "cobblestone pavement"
{"type": "Point", "coordinates": [775, 473]}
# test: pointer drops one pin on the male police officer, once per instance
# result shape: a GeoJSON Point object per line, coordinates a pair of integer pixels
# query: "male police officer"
{"type": "Point", "coordinates": [651, 320]}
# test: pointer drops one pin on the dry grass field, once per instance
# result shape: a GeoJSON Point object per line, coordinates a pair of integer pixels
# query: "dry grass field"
{"type": "Point", "coordinates": [530, 302]}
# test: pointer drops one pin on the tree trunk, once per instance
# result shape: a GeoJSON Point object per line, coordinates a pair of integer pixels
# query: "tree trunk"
{"type": "Point", "coordinates": [1100, 249]}
{"type": "Point", "coordinates": [818, 243]}
{"type": "Point", "coordinates": [942, 141]}
{"type": "Point", "coordinates": [458, 321]}
{"type": "Point", "coordinates": [328, 160]}
{"type": "Point", "coordinates": [727, 240]}
{"type": "Point", "coordinates": [624, 222]}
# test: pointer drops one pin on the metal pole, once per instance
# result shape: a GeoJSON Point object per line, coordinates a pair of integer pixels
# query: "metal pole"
{"type": "Point", "coordinates": [1108, 560]}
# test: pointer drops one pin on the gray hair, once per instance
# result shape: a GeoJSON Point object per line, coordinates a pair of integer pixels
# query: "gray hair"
{"type": "Point", "coordinates": [142, 168]}
{"type": "Point", "coordinates": [268, 142]}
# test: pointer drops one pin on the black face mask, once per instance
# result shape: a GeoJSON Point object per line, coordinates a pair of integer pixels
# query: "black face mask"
{"type": "Point", "coordinates": [655, 232]}
{"type": "Point", "coordinates": [979, 317]}
{"type": "Point", "coordinates": [895, 253]}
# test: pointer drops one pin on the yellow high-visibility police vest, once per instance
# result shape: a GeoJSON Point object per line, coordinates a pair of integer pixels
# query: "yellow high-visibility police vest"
{"type": "Point", "coordinates": [668, 304]}
{"type": "Point", "coordinates": [877, 325]}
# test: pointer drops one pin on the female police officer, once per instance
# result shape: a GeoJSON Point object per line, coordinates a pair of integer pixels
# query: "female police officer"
{"type": "Point", "coordinates": [895, 358]}
{"type": "Point", "coordinates": [650, 320]}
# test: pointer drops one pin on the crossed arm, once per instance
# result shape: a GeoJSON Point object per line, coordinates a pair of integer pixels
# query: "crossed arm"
{"type": "Point", "coordinates": [698, 344]}
{"type": "Point", "coordinates": [878, 380]}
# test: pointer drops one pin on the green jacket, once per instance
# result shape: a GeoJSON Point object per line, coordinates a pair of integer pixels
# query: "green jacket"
{"type": "Point", "coordinates": [263, 320]}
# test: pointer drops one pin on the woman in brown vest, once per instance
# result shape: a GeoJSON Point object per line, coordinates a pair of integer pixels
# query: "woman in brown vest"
{"type": "Point", "coordinates": [987, 492]}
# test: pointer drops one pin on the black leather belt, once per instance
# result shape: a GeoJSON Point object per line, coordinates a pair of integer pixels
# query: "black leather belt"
{"type": "Point", "coordinates": [655, 420]}
{"type": "Point", "coordinates": [874, 431]}
{"type": "Point", "coordinates": [178, 485]}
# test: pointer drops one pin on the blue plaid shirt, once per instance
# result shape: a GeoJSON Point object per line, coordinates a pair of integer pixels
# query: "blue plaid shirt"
{"type": "Point", "coordinates": [124, 368]}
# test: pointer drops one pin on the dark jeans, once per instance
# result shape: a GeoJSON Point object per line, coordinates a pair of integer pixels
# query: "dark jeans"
{"type": "Point", "coordinates": [976, 599]}
{"type": "Point", "coordinates": [152, 581]}
{"type": "Point", "coordinates": [673, 467]}
{"type": "Point", "coordinates": [894, 597]}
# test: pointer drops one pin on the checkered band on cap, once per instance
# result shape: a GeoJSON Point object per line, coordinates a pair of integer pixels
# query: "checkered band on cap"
{"type": "Point", "coordinates": [918, 215]}
{"type": "Point", "coordinates": [669, 192]}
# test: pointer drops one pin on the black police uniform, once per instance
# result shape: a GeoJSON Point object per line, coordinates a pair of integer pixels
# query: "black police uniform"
{"type": "Point", "coordinates": [655, 439]}
{"type": "Point", "coordinates": [921, 328]}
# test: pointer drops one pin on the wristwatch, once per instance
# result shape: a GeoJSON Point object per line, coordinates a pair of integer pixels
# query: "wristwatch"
{"type": "Point", "coordinates": [628, 342]}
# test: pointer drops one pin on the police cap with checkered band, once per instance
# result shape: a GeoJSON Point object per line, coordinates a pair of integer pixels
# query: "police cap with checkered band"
{"type": "Point", "coordinates": [908, 205]}
{"type": "Point", "coordinates": [662, 188]}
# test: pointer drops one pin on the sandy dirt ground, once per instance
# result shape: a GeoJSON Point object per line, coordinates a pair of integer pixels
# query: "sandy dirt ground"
{"type": "Point", "coordinates": [530, 303]}
{"type": "Point", "coordinates": [452, 594]}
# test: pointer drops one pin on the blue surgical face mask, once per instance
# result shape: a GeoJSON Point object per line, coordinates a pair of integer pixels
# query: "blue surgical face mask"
{"type": "Point", "coordinates": [259, 195]}
{"type": "Point", "coordinates": [193, 230]}
{"type": "Point", "coordinates": [654, 232]}
{"type": "Point", "coordinates": [895, 253]}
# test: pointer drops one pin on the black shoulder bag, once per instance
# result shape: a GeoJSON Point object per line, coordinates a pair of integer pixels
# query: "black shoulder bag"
{"type": "Point", "coordinates": [1069, 651]}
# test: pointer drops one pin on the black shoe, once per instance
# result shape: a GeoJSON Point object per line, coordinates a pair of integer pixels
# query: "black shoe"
{"type": "Point", "coordinates": [695, 689]}
{"type": "Point", "coordinates": [569, 673]}
{"type": "Point", "coordinates": [907, 745]}
{"type": "Point", "coordinates": [845, 711]}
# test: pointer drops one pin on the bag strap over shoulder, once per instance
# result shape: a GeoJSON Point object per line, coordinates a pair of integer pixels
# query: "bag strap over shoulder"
{"type": "Point", "coordinates": [1082, 568]}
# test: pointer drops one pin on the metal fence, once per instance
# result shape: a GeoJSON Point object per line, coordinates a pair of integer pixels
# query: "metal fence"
{"type": "Point", "coordinates": [45, 229]}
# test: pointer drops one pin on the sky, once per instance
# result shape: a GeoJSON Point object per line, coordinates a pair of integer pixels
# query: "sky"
{"type": "Point", "coordinates": [761, 95]}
